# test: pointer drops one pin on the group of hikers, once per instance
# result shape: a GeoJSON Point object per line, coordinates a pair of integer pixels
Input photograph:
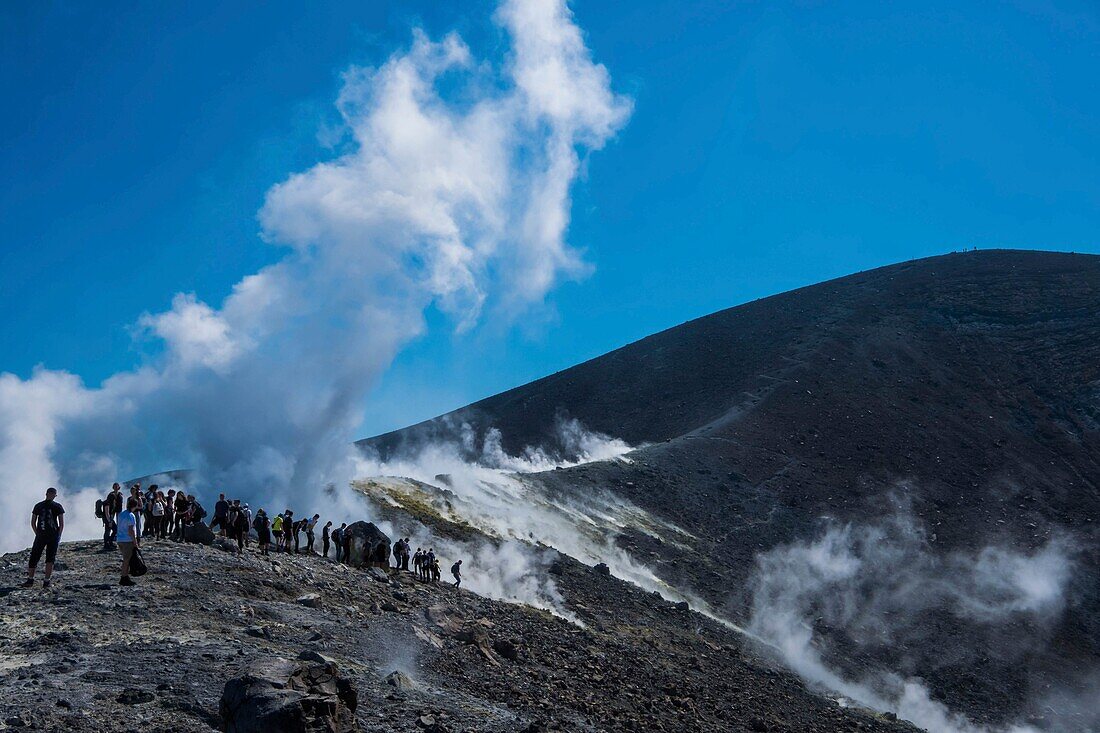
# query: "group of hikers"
{"type": "Point", "coordinates": [158, 515]}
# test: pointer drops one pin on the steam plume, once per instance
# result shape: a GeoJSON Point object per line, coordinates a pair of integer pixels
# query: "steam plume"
{"type": "Point", "coordinates": [872, 584]}
{"type": "Point", "coordinates": [460, 205]}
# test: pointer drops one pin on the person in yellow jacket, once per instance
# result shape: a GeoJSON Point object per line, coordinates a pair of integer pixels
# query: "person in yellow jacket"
{"type": "Point", "coordinates": [277, 530]}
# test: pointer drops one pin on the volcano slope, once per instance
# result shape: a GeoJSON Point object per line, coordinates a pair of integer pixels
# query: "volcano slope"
{"type": "Point", "coordinates": [948, 407]}
{"type": "Point", "coordinates": [87, 655]}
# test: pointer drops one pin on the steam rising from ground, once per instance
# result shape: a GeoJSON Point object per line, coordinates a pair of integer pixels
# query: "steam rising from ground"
{"type": "Point", "coordinates": [453, 194]}
{"type": "Point", "coordinates": [873, 583]}
{"type": "Point", "coordinates": [490, 493]}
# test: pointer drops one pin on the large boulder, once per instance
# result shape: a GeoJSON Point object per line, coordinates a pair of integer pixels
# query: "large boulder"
{"type": "Point", "coordinates": [367, 546]}
{"type": "Point", "coordinates": [198, 533]}
{"type": "Point", "coordinates": [280, 695]}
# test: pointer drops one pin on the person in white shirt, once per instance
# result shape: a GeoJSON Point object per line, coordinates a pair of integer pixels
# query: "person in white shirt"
{"type": "Point", "coordinates": [129, 537]}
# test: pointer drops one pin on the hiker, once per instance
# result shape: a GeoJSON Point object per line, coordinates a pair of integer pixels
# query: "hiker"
{"type": "Point", "coordinates": [435, 569]}
{"type": "Point", "coordinates": [182, 505]}
{"type": "Point", "coordinates": [103, 512]}
{"type": "Point", "coordinates": [247, 524]}
{"type": "Point", "coordinates": [325, 533]}
{"type": "Point", "coordinates": [150, 525]}
{"type": "Point", "coordinates": [129, 538]}
{"type": "Point", "coordinates": [408, 554]}
{"type": "Point", "coordinates": [157, 512]}
{"type": "Point", "coordinates": [296, 530]}
{"type": "Point", "coordinates": [263, 531]}
{"type": "Point", "coordinates": [397, 554]}
{"type": "Point", "coordinates": [221, 514]}
{"type": "Point", "coordinates": [169, 512]}
{"type": "Point", "coordinates": [231, 519]}
{"type": "Point", "coordinates": [277, 530]}
{"type": "Point", "coordinates": [135, 494]}
{"type": "Point", "coordinates": [456, 570]}
{"type": "Point", "coordinates": [288, 530]}
{"type": "Point", "coordinates": [338, 540]}
{"type": "Point", "coordinates": [112, 508]}
{"type": "Point", "coordinates": [240, 529]}
{"type": "Point", "coordinates": [418, 563]}
{"type": "Point", "coordinates": [310, 525]}
{"type": "Point", "coordinates": [47, 523]}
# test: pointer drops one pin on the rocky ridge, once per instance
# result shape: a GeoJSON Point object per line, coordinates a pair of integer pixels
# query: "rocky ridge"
{"type": "Point", "coordinates": [86, 653]}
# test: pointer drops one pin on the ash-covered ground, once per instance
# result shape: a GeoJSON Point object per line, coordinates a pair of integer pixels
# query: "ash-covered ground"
{"type": "Point", "coordinates": [87, 655]}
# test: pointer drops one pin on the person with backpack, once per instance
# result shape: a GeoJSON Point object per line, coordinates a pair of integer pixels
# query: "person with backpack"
{"type": "Point", "coordinates": [102, 511]}
{"type": "Point", "coordinates": [47, 523]}
{"type": "Point", "coordinates": [112, 508]}
{"type": "Point", "coordinates": [418, 563]}
{"type": "Point", "coordinates": [129, 537]}
{"type": "Point", "coordinates": [240, 528]}
{"type": "Point", "coordinates": [262, 525]}
{"type": "Point", "coordinates": [456, 571]}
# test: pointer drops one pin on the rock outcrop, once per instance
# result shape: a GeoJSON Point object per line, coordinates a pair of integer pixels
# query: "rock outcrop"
{"type": "Point", "coordinates": [198, 533]}
{"type": "Point", "coordinates": [280, 695]}
{"type": "Point", "coordinates": [366, 545]}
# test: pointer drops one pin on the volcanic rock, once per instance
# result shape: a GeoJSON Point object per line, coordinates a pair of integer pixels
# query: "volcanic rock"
{"type": "Point", "coordinates": [366, 545]}
{"type": "Point", "coordinates": [198, 533]}
{"type": "Point", "coordinates": [277, 695]}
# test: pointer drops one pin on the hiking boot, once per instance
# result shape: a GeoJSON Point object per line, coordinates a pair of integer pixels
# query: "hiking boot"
{"type": "Point", "coordinates": [126, 581]}
{"type": "Point", "coordinates": [46, 583]}
{"type": "Point", "coordinates": [27, 583]}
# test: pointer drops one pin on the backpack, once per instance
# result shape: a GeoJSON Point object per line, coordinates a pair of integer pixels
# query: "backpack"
{"type": "Point", "coordinates": [199, 513]}
{"type": "Point", "coordinates": [99, 508]}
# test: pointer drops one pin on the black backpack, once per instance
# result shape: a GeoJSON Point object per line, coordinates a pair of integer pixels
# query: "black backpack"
{"type": "Point", "coordinates": [99, 508]}
{"type": "Point", "coordinates": [199, 513]}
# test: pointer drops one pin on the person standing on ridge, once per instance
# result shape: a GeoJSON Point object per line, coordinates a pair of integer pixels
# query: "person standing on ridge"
{"type": "Point", "coordinates": [221, 514]}
{"type": "Point", "coordinates": [47, 523]}
{"type": "Point", "coordinates": [248, 524]}
{"type": "Point", "coordinates": [310, 526]}
{"type": "Point", "coordinates": [182, 505]}
{"type": "Point", "coordinates": [240, 529]}
{"type": "Point", "coordinates": [129, 537]}
{"type": "Point", "coordinates": [277, 530]}
{"type": "Point", "coordinates": [135, 493]}
{"type": "Point", "coordinates": [325, 534]}
{"type": "Point", "coordinates": [456, 570]}
{"type": "Point", "coordinates": [263, 531]}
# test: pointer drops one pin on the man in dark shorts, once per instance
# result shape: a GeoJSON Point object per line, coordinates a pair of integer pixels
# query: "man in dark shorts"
{"type": "Point", "coordinates": [47, 523]}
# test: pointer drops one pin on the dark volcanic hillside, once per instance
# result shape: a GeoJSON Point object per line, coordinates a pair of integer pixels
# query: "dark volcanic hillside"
{"type": "Point", "coordinates": [959, 395]}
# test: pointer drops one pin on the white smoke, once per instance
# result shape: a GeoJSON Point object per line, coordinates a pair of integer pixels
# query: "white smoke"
{"type": "Point", "coordinates": [493, 493]}
{"type": "Point", "coordinates": [871, 583]}
{"type": "Point", "coordinates": [454, 195]}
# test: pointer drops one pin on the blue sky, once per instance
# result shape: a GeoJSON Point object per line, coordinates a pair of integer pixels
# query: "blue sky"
{"type": "Point", "coordinates": [770, 147]}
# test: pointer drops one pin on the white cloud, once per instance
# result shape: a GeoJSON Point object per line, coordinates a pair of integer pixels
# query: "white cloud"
{"type": "Point", "coordinates": [455, 193]}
